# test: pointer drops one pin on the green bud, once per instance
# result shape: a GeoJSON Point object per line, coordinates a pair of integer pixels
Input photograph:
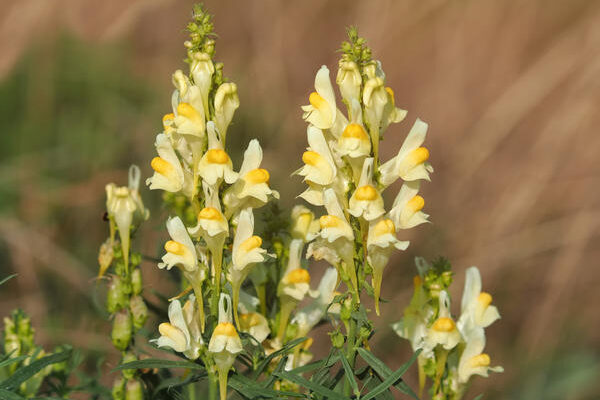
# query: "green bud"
{"type": "Point", "coordinates": [278, 248]}
{"type": "Point", "coordinates": [12, 344]}
{"type": "Point", "coordinates": [345, 311]}
{"type": "Point", "coordinates": [337, 339]}
{"type": "Point", "coordinates": [117, 296]}
{"type": "Point", "coordinates": [134, 390]}
{"type": "Point", "coordinates": [136, 281]}
{"type": "Point", "coordinates": [135, 259]}
{"type": "Point", "coordinates": [128, 357]}
{"type": "Point", "coordinates": [364, 332]}
{"type": "Point", "coordinates": [122, 329]}
{"type": "Point", "coordinates": [118, 389]}
{"type": "Point", "coordinates": [139, 311]}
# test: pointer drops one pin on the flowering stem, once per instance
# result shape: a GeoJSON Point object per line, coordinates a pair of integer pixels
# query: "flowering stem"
{"type": "Point", "coordinates": [236, 298]}
{"type": "Point", "coordinates": [284, 315]}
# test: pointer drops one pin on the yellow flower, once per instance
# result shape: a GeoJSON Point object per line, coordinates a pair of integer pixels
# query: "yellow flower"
{"type": "Point", "coordinates": [256, 325]}
{"type": "Point", "coordinates": [410, 163]}
{"type": "Point", "coordinates": [246, 252]}
{"type": "Point", "coordinates": [354, 141]}
{"type": "Point", "coordinates": [319, 166]}
{"type": "Point", "coordinates": [472, 360]}
{"type": "Point", "coordinates": [443, 331]}
{"type": "Point", "coordinates": [366, 201]}
{"type": "Point", "coordinates": [303, 223]}
{"type": "Point", "coordinates": [188, 107]}
{"type": "Point", "coordinates": [215, 163]}
{"type": "Point", "coordinates": [224, 343]}
{"type": "Point", "coordinates": [182, 332]}
{"type": "Point", "coordinates": [180, 249]}
{"type": "Point", "coordinates": [322, 111]}
{"type": "Point", "coordinates": [406, 211]}
{"type": "Point", "coordinates": [349, 80]}
{"type": "Point", "coordinates": [381, 241]}
{"type": "Point", "coordinates": [168, 172]}
{"type": "Point", "coordinates": [476, 308]}
{"type": "Point", "coordinates": [252, 187]}
{"type": "Point", "coordinates": [226, 102]}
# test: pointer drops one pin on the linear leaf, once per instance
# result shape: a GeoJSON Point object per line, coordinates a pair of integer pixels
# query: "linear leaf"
{"type": "Point", "coordinates": [5, 394]}
{"type": "Point", "coordinates": [24, 373]}
{"type": "Point", "coordinates": [284, 350]}
{"type": "Point", "coordinates": [384, 371]}
{"type": "Point", "coordinates": [251, 388]}
{"type": "Point", "coordinates": [329, 394]}
{"type": "Point", "coordinates": [12, 361]}
{"type": "Point", "coordinates": [349, 373]}
{"type": "Point", "coordinates": [158, 363]}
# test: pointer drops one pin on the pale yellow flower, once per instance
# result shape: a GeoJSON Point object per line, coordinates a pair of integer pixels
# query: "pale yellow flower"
{"type": "Point", "coordinates": [226, 102]}
{"type": "Point", "coordinates": [349, 80]}
{"type": "Point", "coordinates": [410, 163]}
{"type": "Point", "coordinates": [202, 70]}
{"type": "Point", "coordinates": [188, 107]}
{"type": "Point", "coordinates": [215, 164]}
{"type": "Point", "coordinates": [180, 249]}
{"type": "Point", "coordinates": [303, 223]}
{"type": "Point", "coordinates": [406, 211]}
{"type": "Point", "coordinates": [476, 308]}
{"type": "Point", "coordinates": [354, 141]}
{"type": "Point", "coordinates": [443, 331]}
{"type": "Point", "coordinates": [252, 187]}
{"type": "Point", "coordinates": [381, 241]}
{"type": "Point", "coordinates": [322, 111]}
{"type": "Point", "coordinates": [224, 343]}
{"type": "Point", "coordinates": [366, 201]}
{"type": "Point", "coordinates": [182, 332]}
{"type": "Point", "coordinates": [472, 360]}
{"type": "Point", "coordinates": [255, 324]}
{"type": "Point", "coordinates": [168, 172]}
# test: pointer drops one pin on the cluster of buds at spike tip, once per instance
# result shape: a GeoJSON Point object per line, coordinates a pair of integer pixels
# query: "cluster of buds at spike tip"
{"type": "Point", "coordinates": [124, 300]}
{"type": "Point", "coordinates": [19, 344]}
{"type": "Point", "coordinates": [343, 171]}
{"type": "Point", "coordinates": [446, 344]}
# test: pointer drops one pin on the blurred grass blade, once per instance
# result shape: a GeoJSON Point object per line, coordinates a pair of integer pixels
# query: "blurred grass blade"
{"type": "Point", "coordinates": [3, 281]}
{"type": "Point", "coordinates": [24, 373]}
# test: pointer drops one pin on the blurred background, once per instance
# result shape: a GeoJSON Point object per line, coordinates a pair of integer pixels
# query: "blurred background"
{"type": "Point", "coordinates": [510, 90]}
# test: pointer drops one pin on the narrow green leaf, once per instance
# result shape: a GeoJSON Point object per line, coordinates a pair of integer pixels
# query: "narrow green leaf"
{"type": "Point", "coordinates": [8, 278]}
{"type": "Point", "coordinates": [24, 373]}
{"type": "Point", "coordinates": [284, 350]}
{"type": "Point", "coordinates": [315, 365]}
{"type": "Point", "coordinates": [5, 394]}
{"type": "Point", "coordinates": [250, 388]}
{"type": "Point", "coordinates": [158, 363]}
{"type": "Point", "coordinates": [479, 397]}
{"type": "Point", "coordinates": [12, 361]}
{"type": "Point", "coordinates": [349, 373]}
{"type": "Point", "coordinates": [384, 371]}
{"type": "Point", "coordinates": [318, 389]}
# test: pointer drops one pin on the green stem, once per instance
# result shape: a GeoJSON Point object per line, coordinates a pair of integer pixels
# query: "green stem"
{"type": "Point", "coordinates": [284, 315]}
{"type": "Point", "coordinates": [213, 382]}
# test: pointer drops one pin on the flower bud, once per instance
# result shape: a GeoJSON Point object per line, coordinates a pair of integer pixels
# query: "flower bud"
{"type": "Point", "coordinates": [105, 256]}
{"type": "Point", "coordinates": [136, 281]}
{"type": "Point", "coordinates": [337, 340]}
{"type": "Point", "coordinates": [139, 311]}
{"type": "Point", "coordinates": [117, 295]}
{"type": "Point", "coordinates": [134, 390]}
{"type": "Point", "coordinates": [349, 80]}
{"type": "Point", "coordinates": [12, 344]}
{"type": "Point", "coordinates": [118, 389]}
{"type": "Point", "coordinates": [127, 358]}
{"type": "Point", "coordinates": [302, 221]}
{"type": "Point", "coordinates": [122, 330]}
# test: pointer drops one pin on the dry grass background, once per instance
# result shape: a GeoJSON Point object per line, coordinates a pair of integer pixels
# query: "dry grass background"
{"type": "Point", "coordinates": [510, 90]}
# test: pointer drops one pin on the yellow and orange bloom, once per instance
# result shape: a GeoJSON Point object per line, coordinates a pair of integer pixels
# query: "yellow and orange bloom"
{"type": "Point", "coordinates": [180, 249]}
{"type": "Point", "coordinates": [366, 201]}
{"type": "Point", "coordinates": [215, 164]}
{"type": "Point", "coordinates": [322, 111]}
{"type": "Point", "coordinates": [406, 211]}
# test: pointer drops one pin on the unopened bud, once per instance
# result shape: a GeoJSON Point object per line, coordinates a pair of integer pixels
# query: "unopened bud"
{"type": "Point", "coordinates": [134, 390]}
{"type": "Point", "coordinates": [122, 330]}
{"type": "Point", "coordinates": [118, 389]}
{"type": "Point", "coordinates": [117, 296]}
{"type": "Point", "coordinates": [337, 340]}
{"type": "Point", "coordinates": [127, 358]}
{"type": "Point", "coordinates": [139, 311]}
{"type": "Point", "coordinates": [136, 281]}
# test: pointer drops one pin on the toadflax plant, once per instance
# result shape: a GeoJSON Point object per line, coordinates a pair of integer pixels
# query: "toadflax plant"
{"type": "Point", "coordinates": [244, 319]}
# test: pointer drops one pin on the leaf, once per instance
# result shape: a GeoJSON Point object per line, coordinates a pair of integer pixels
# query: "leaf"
{"type": "Point", "coordinates": [329, 394]}
{"type": "Point", "coordinates": [5, 394]}
{"type": "Point", "coordinates": [384, 371]}
{"type": "Point", "coordinates": [479, 397]}
{"type": "Point", "coordinates": [250, 388]}
{"type": "Point", "coordinates": [177, 382]}
{"type": "Point", "coordinates": [284, 350]}
{"type": "Point", "coordinates": [24, 373]}
{"type": "Point", "coordinates": [391, 378]}
{"type": "Point", "coordinates": [158, 363]}
{"type": "Point", "coordinates": [349, 373]}
{"type": "Point", "coordinates": [12, 361]}
{"type": "Point", "coordinates": [316, 365]}
{"type": "Point", "coordinates": [8, 278]}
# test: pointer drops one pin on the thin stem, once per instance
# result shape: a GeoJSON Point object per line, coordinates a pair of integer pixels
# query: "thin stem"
{"type": "Point", "coordinates": [284, 315]}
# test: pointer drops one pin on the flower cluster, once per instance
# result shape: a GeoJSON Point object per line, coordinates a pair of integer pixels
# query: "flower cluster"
{"type": "Point", "coordinates": [344, 174]}
{"type": "Point", "coordinates": [446, 344]}
{"type": "Point", "coordinates": [124, 302]}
